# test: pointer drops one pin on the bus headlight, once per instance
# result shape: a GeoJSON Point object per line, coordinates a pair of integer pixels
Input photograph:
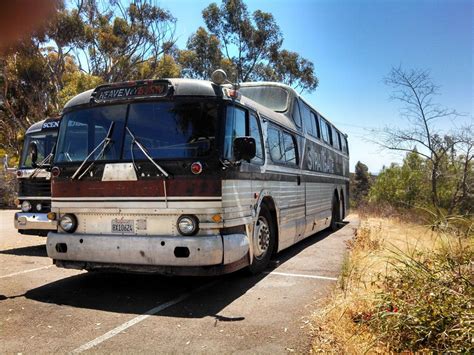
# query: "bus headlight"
{"type": "Point", "coordinates": [68, 223]}
{"type": "Point", "coordinates": [188, 225]}
{"type": "Point", "coordinates": [26, 206]}
{"type": "Point", "coordinates": [39, 207]}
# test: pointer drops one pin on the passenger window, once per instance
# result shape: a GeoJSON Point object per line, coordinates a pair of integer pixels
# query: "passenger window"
{"type": "Point", "coordinates": [274, 145]}
{"type": "Point", "coordinates": [314, 117]}
{"type": "Point", "coordinates": [296, 113]}
{"type": "Point", "coordinates": [343, 143]}
{"type": "Point", "coordinates": [336, 139]}
{"type": "Point", "coordinates": [329, 133]}
{"type": "Point", "coordinates": [345, 147]}
{"type": "Point", "coordinates": [290, 148]}
{"type": "Point", "coordinates": [282, 147]}
{"type": "Point", "coordinates": [254, 131]}
{"type": "Point", "coordinates": [324, 130]}
{"type": "Point", "coordinates": [308, 120]}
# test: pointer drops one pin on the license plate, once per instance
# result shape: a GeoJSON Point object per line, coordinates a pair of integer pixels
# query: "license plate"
{"type": "Point", "coordinates": [123, 226]}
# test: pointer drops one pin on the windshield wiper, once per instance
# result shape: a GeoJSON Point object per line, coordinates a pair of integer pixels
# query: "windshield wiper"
{"type": "Point", "coordinates": [105, 142]}
{"type": "Point", "coordinates": [45, 162]}
{"type": "Point", "coordinates": [145, 152]}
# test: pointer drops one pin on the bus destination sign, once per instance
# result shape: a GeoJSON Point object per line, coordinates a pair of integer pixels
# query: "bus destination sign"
{"type": "Point", "coordinates": [50, 124]}
{"type": "Point", "coordinates": [118, 92]}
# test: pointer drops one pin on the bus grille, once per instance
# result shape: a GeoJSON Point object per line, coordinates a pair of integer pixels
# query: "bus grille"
{"type": "Point", "coordinates": [34, 187]}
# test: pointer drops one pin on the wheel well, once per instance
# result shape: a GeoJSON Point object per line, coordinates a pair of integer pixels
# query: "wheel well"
{"type": "Point", "coordinates": [270, 205]}
{"type": "Point", "coordinates": [343, 200]}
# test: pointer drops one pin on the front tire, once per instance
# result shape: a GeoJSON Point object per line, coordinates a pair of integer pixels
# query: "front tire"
{"type": "Point", "coordinates": [263, 243]}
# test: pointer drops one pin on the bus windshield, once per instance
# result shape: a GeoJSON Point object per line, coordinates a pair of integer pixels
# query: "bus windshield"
{"type": "Point", "coordinates": [167, 130]}
{"type": "Point", "coordinates": [44, 142]}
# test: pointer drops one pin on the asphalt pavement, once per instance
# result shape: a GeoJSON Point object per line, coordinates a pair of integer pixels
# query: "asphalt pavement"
{"type": "Point", "coordinates": [44, 309]}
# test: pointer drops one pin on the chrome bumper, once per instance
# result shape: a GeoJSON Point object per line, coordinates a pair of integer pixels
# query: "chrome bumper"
{"type": "Point", "coordinates": [148, 250]}
{"type": "Point", "coordinates": [34, 221]}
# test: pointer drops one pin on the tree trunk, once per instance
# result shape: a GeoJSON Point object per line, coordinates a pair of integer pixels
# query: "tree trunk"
{"type": "Point", "coordinates": [434, 187]}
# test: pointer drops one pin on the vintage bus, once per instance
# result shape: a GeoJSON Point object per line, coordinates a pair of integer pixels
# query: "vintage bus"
{"type": "Point", "coordinates": [192, 177]}
{"type": "Point", "coordinates": [34, 179]}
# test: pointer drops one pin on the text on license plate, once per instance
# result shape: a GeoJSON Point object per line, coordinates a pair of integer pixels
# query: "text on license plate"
{"type": "Point", "coordinates": [123, 226]}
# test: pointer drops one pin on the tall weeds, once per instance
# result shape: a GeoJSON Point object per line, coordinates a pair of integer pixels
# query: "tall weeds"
{"type": "Point", "coordinates": [403, 288]}
{"type": "Point", "coordinates": [426, 302]}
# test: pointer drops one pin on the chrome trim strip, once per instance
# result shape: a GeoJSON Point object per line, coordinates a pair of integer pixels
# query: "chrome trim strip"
{"type": "Point", "coordinates": [161, 199]}
{"type": "Point", "coordinates": [283, 170]}
{"type": "Point", "coordinates": [43, 198]}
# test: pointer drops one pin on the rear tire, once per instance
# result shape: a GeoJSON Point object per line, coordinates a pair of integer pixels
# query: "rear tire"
{"type": "Point", "coordinates": [264, 243]}
{"type": "Point", "coordinates": [336, 214]}
{"type": "Point", "coordinates": [343, 208]}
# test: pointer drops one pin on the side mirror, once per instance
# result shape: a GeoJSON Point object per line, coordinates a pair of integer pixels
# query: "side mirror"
{"type": "Point", "coordinates": [244, 148]}
{"type": "Point", "coordinates": [33, 153]}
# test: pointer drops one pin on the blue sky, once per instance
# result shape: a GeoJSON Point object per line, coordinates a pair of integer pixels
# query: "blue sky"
{"type": "Point", "coordinates": [353, 45]}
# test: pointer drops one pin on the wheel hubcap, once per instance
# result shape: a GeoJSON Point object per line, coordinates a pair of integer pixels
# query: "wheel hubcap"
{"type": "Point", "coordinates": [262, 242]}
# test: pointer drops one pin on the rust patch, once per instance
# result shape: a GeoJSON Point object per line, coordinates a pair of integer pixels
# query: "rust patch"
{"type": "Point", "coordinates": [184, 186]}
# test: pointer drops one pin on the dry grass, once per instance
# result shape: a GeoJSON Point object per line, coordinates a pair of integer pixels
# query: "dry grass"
{"type": "Point", "coordinates": [352, 320]}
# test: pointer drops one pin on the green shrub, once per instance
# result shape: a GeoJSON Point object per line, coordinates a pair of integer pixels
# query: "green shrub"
{"type": "Point", "coordinates": [426, 304]}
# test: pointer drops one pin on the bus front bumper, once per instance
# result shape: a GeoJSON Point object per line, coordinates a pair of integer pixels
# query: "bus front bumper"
{"type": "Point", "coordinates": [147, 252]}
{"type": "Point", "coordinates": [34, 221]}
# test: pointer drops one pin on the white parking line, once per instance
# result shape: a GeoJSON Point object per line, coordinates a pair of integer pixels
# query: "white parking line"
{"type": "Point", "coordinates": [301, 275]}
{"type": "Point", "coordinates": [139, 319]}
{"type": "Point", "coordinates": [25, 271]}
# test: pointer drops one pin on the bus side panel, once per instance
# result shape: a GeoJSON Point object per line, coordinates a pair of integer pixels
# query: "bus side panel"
{"type": "Point", "coordinates": [318, 206]}
{"type": "Point", "coordinates": [237, 202]}
{"type": "Point", "coordinates": [238, 199]}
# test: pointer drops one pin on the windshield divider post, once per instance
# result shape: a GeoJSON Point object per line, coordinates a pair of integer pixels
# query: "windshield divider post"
{"type": "Point", "coordinates": [166, 195]}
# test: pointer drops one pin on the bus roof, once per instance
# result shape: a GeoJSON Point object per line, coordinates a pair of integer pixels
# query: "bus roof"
{"type": "Point", "coordinates": [274, 100]}
{"type": "Point", "coordinates": [180, 87]}
{"type": "Point", "coordinates": [51, 123]}
{"type": "Point", "coordinates": [186, 87]}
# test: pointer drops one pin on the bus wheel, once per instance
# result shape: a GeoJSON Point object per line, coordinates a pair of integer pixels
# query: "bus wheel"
{"type": "Point", "coordinates": [343, 208]}
{"type": "Point", "coordinates": [263, 243]}
{"type": "Point", "coordinates": [336, 214]}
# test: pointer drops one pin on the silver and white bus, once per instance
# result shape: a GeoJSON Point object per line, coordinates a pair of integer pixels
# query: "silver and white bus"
{"type": "Point", "coordinates": [192, 177]}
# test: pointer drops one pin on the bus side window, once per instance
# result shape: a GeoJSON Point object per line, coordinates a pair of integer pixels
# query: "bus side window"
{"type": "Point", "coordinates": [274, 145]}
{"type": "Point", "coordinates": [324, 130]}
{"type": "Point", "coordinates": [255, 132]}
{"type": "Point", "coordinates": [308, 120]}
{"type": "Point", "coordinates": [335, 139]}
{"type": "Point", "coordinates": [282, 147]}
{"type": "Point", "coordinates": [343, 143]}
{"type": "Point", "coordinates": [289, 145]}
{"type": "Point", "coordinates": [296, 113]}
{"type": "Point", "coordinates": [314, 117]}
{"type": "Point", "coordinates": [329, 133]}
